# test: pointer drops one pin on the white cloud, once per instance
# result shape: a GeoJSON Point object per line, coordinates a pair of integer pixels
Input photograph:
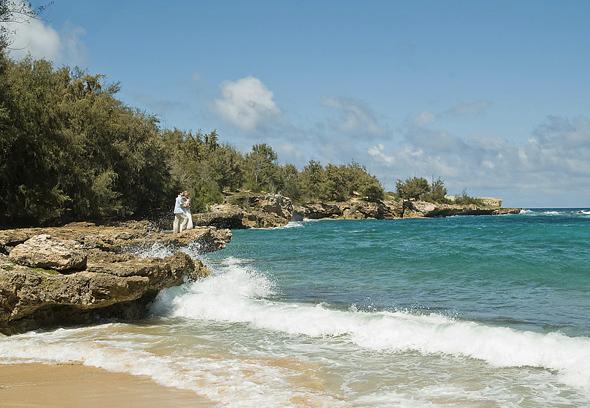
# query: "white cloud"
{"type": "Point", "coordinates": [355, 116]}
{"type": "Point", "coordinates": [246, 103]}
{"type": "Point", "coordinates": [32, 36]}
{"type": "Point", "coordinates": [553, 161]}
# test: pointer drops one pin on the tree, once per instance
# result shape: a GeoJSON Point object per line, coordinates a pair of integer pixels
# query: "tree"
{"type": "Point", "coordinates": [437, 192]}
{"type": "Point", "coordinates": [261, 170]}
{"type": "Point", "coordinates": [412, 188]}
{"type": "Point", "coordinates": [291, 185]}
{"type": "Point", "coordinates": [311, 181]}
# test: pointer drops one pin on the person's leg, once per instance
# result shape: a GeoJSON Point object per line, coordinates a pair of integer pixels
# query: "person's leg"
{"type": "Point", "coordinates": [189, 224]}
{"type": "Point", "coordinates": [184, 222]}
{"type": "Point", "coordinates": [176, 224]}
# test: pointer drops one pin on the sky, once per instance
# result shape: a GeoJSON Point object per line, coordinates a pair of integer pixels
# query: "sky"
{"type": "Point", "coordinates": [491, 96]}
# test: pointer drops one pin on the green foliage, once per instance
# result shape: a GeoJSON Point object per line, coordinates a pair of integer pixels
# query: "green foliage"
{"type": "Point", "coordinates": [464, 198]}
{"type": "Point", "coordinates": [70, 150]}
{"type": "Point", "coordinates": [311, 181]}
{"type": "Point", "coordinates": [413, 188]}
{"type": "Point", "coordinates": [338, 183]}
{"type": "Point", "coordinates": [418, 188]}
{"type": "Point", "coordinates": [262, 172]}
{"type": "Point", "coordinates": [290, 177]}
{"type": "Point", "coordinates": [436, 192]}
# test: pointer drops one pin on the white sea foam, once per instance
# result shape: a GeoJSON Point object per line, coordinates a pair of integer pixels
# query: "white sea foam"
{"type": "Point", "coordinates": [526, 212]}
{"type": "Point", "coordinates": [551, 212]}
{"type": "Point", "coordinates": [290, 224]}
{"type": "Point", "coordinates": [239, 295]}
{"type": "Point", "coordinates": [585, 212]}
{"type": "Point", "coordinates": [232, 381]}
{"type": "Point", "coordinates": [156, 250]}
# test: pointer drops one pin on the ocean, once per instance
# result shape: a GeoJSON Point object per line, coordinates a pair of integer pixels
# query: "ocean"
{"type": "Point", "coordinates": [472, 311]}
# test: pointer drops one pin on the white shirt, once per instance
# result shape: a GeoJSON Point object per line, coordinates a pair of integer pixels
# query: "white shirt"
{"type": "Point", "coordinates": [178, 205]}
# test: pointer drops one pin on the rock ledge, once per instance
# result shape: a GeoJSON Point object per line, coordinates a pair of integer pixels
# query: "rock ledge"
{"type": "Point", "coordinates": [82, 273]}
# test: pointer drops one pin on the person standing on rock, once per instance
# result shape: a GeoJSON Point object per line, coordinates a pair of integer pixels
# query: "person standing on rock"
{"type": "Point", "coordinates": [187, 209]}
{"type": "Point", "coordinates": [180, 218]}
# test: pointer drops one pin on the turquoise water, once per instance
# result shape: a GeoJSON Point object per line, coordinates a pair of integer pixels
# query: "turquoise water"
{"type": "Point", "coordinates": [449, 312]}
{"type": "Point", "coordinates": [528, 272]}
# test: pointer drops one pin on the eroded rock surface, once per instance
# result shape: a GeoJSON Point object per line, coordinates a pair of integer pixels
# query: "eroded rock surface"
{"type": "Point", "coordinates": [353, 209]}
{"type": "Point", "coordinates": [419, 209]}
{"type": "Point", "coordinates": [41, 251]}
{"type": "Point", "coordinates": [248, 210]}
{"type": "Point", "coordinates": [39, 288]}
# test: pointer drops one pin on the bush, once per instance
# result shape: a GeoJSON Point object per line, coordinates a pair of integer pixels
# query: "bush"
{"type": "Point", "coordinates": [412, 188]}
{"type": "Point", "coordinates": [465, 199]}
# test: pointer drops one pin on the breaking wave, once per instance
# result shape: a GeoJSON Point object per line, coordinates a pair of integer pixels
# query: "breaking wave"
{"type": "Point", "coordinates": [239, 294]}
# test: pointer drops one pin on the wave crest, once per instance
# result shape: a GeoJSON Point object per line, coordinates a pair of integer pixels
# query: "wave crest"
{"type": "Point", "coordinates": [238, 294]}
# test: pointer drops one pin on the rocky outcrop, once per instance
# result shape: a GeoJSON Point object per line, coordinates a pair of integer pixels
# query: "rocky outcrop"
{"type": "Point", "coordinates": [248, 210]}
{"type": "Point", "coordinates": [315, 211]}
{"type": "Point", "coordinates": [221, 216]}
{"type": "Point", "coordinates": [120, 237]}
{"type": "Point", "coordinates": [41, 251]}
{"type": "Point", "coordinates": [36, 290]}
{"type": "Point", "coordinates": [358, 209]}
{"type": "Point", "coordinates": [353, 209]}
{"type": "Point", "coordinates": [419, 209]}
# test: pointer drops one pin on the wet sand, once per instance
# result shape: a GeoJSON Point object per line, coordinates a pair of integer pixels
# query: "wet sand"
{"type": "Point", "coordinates": [73, 386]}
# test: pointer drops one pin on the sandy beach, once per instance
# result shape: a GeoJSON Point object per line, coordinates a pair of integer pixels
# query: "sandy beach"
{"type": "Point", "coordinates": [72, 386]}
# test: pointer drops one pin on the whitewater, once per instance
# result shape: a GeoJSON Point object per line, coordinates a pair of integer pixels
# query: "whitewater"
{"type": "Point", "coordinates": [465, 311]}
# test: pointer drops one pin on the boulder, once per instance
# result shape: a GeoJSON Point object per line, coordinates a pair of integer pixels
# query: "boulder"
{"type": "Point", "coordinates": [275, 204]}
{"type": "Point", "coordinates": [32, 297]}
{"type": "Point", "coordinates": [392, 209]}
{"type": "Point", "coordinates": [248, 210]}
{"type": "Point", "coordinates": [43, 251]}
{"type": "Point", "coordinates": [113, 283]}
{"type": "Point", "coordinates": [314, 211]}
{"type": "Point", "coordinates": [221, 216]}
{"type": "Point", "coordinates": [357, 209]}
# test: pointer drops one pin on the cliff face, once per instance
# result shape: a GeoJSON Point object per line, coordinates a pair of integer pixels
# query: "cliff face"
{"type": "Point", "coordinates": [419, 209]}
{"type": "Point", "coordinates": [81, 273]}
{"type": "Point", "coordinates": [248, 210]}
{"type": "Point", "coordinates": [354, 209]}
{"type": "Point", "coordinates": [395, 209]}
{"type": "Point", "coordinates": [251, 210]}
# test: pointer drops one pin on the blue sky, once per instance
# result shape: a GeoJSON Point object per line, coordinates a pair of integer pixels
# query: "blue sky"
{"type": "Point", "coordinates": [491, 96]}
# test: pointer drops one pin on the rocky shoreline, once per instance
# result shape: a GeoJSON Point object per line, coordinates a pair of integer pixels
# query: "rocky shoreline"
{"type": "Point", "coordinates": [83, 273]}
{"type": "Point", "coordinates": [274, 210]}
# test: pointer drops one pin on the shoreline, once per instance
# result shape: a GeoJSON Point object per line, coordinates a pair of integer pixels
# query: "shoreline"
{"type": "Point", "coordinates": [35, 385]}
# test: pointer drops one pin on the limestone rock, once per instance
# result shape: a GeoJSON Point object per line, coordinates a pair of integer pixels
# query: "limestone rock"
{"type": "Point", "coordinates": [113, 283]}
{"type": "Point", "coordinates": [315, 211]}
{"type": "Point", "coordinates": [248, 210]}
{"type": "Point", "coordinates": [418, 209]}
{"type": "Point", "coordinates": [119, 237]}
{"type": "Point", "coordinates": [221, 216]}
{"type": "Point", "coordinates": [357, 209]}
{"type": "Point", "coordinates": [275, 204]}
{"type": "Point", "coordinates": [111, 286]}
{"type": "Point", "coordinates": [43, 251]}
{"type": "Point", "coordinates": [354, 209]}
